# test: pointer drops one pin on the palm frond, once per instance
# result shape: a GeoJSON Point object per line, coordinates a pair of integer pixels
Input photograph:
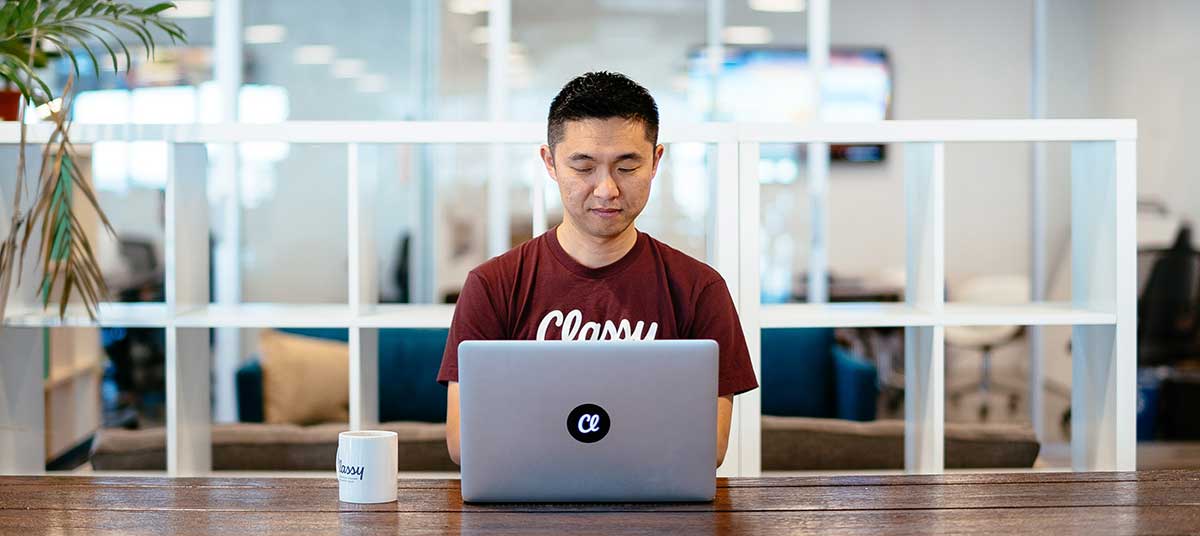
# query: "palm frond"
{"type": "Point", "coordinates": [66, 252]}
{"type": "Point", "coordinates": [73, 27]}
{"type": "Point", "coordinates": [16, 70]}
{"type": "Point", "coordinates": [77, 24]}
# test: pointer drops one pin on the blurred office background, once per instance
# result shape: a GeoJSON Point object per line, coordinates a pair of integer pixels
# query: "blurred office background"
{"type": "Point", "coordinates": [278, 211]}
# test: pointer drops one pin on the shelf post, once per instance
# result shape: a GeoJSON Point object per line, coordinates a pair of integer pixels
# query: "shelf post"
{"type": "Point", "coordinates": [924, 346]}
{"type": "Point", "coordinates": [22, 401]}
{"type": "Point", "coordinates": [1103, 278]}
{"type": "Point", "coordinates": [361, 176]}
{"type": "Point", "coordinates": [189, 359]}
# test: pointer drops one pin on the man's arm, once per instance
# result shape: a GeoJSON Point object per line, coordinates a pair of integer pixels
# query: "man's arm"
{"type": "Point", "coordinates": [724, 415]}
{"type": "Point", "coordinates": [716, 319]}
{"type": "Point", "coordinates": [476, 318]}
{"type": "Point", "coordinates": [452, 422]}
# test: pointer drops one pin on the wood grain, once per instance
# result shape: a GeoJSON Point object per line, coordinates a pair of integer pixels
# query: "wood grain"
{"type": "Point", "coordinates": [1055, 503]}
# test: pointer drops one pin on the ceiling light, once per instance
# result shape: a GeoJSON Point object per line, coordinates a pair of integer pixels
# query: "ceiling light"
{"type": "Point", "coordinates": [264, 34]}
{"type": "Point", "coordinates": [746, 35]}
{"type": "Point", "coordinates": [371, 83]}
{"type": "Point", "coordinates": [313, 55]}
{"type": "Point", "coordinates": [190, 9]}
{"type": "Point", "coordinates": [467, 7]}
{"type": "Point", "coordinates": [778, 6]}
{"type": "Point", "coordinates": [348, 68]}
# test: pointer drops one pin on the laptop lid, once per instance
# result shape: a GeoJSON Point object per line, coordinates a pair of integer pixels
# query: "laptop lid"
{"type": "Point", "coordinates": [571, 421]}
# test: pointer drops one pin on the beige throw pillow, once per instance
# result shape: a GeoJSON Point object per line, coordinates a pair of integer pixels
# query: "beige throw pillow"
{"type": "Point", "coordinates": [306, 380]}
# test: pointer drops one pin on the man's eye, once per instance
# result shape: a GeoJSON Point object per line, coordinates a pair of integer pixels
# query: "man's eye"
{"type": "Point", "coordinates": [582, 170]}
{"type": "Point", "coordinates": [627, 170]}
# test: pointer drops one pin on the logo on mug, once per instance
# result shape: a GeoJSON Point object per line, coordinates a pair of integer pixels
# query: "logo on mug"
{"type": "Point", "coordinates": [348, 472]}
{"type": "Point", "coordinates": [588, 423]}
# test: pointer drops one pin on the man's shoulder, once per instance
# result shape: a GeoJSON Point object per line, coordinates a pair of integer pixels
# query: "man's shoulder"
{"type": "Point", "coordinates": [682, 265]}
{"type": "Point", "coordinates": [505, 266]}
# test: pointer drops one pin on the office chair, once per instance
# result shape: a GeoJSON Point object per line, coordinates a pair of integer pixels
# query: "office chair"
{"type": "Point", "coordinates": [137, 356]}
{"type": "Point", "coordinates": [1169, 306]}
{"type": "Point", "coordinates": [992, 289]}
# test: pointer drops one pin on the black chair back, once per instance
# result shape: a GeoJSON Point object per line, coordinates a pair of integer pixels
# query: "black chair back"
{"type": "Point", "coordinates": [1169, 307]}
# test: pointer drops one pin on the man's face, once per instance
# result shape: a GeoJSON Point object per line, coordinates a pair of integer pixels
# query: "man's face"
{"type": "Point", "coordinates": [603, 168]}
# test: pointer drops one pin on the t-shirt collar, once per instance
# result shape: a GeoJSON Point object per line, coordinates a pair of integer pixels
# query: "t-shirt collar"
{"type": "Point", "coordinates": [614, 268]}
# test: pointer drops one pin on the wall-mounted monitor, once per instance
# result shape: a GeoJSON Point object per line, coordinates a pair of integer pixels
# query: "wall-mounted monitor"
{"type": "Point", "coordinates": [775, 84]}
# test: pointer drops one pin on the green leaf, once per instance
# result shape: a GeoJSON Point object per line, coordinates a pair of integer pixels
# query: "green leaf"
{"type": "Point", "coordinates": [66, 51]}
{"type": "Point", "coordinates": [158, 8]}
{"type": "Point", "coordinates": [132, 28]}
{"type": "Point", "coordinates": [117, 40]}
{"type": "Point", "coordinates": [176, 36]}
{"type": "Point", "coordinates": [62, 233]}
{"type": "Point", "coordinates": [7, 15]}
{"type": "Point", "coordinates": [64, 12]}
{"type": "Point", "coordinates": [83, 43]}
{"type": "Point", "coordinates": [28, 11]}
{"type": "Point", "coordinates": [46, 12]}
{"type": "Point", "coordinates": [19, 73]}
{"type": "Point", "coordinates": [11, 74]}
{"type": "Point", "coordinates": [84, 7]}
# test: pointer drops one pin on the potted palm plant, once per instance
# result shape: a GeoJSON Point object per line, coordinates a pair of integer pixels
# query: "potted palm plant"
{"type": "Point", "coordinates": [10, 96]}
{"type": "Point", "coordinates": [31, 31]}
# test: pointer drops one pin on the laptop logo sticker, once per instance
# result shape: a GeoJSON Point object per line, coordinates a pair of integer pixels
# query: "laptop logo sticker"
{"type": "Point", "coordinates": [588, 423]}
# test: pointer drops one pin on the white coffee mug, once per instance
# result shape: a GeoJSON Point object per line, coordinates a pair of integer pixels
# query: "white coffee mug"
{"type": "Point", "coordinates": [366, 466]}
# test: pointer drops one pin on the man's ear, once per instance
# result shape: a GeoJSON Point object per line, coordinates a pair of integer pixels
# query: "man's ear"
{"type": "Point", "coordinates": [548, 160]}
{"type": "Point", "coordinates": [658, 154]}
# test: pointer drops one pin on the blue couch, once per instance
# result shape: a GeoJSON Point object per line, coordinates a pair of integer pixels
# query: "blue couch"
{"type": "Point", "coordinates": [408, 363]}
{"type": "Point", "coordinates": [804, 375]}
{"type": "Point", "coordinates": [813, 395]}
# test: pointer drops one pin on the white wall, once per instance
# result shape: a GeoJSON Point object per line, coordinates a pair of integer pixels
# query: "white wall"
{"type": "Point", "coordinates": [1139, 60]}
{"type": "Point", "coordinates": [1147, 66]}
{"type": "Point", "coordinates": [951, 59]}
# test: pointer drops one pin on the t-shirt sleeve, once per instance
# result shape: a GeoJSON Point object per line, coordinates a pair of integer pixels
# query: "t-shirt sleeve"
{"type": "Point", "coordinates": [717, 319]}
{"type": "Point", "coordinates": [476, 318]}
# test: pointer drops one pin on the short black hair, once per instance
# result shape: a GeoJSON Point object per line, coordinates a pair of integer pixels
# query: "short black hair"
{"type": "Point", "coordinates": [602, 95]}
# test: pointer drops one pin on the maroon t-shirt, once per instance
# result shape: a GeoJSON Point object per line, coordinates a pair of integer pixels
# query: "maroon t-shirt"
{"type": "Point", "coordinates": [538, 292]}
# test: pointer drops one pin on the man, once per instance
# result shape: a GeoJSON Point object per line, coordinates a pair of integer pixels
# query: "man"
{"type": "Point", "coordinates": [595, 276]}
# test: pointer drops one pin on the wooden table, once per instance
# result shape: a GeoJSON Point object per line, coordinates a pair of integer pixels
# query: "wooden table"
{"type": "Point", "coordinates": [1041, 503]}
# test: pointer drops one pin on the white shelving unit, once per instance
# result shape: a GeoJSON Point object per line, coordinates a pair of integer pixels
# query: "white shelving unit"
{"type": "Point", "coordinates": [1102, 309]}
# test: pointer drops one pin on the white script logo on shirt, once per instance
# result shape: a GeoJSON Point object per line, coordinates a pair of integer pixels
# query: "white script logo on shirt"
{"type": "Point", "coordinates": [573, 328]}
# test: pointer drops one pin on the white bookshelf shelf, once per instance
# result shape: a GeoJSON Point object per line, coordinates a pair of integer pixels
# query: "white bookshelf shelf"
{"type": "Point", "coordinates": [246, 315]}
{"type": "Point", "coordinates": [1028, 314]}
{"type": "Point", "coordinates": [480, 132]}
{"type": "Point", "coordinates": [843, 315]}
{"type": "Point", "coordinates": [1103, 263]}
{"type": "Point", "coordinates": [266, 315]}
{"type": "Point", "coordinates": [790, 315]}
{"type": "Point", "coordinates": [132, 315]}
{"type": "Point", "coordinates": [406, 316]}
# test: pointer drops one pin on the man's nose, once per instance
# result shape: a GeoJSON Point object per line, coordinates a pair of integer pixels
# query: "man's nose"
{"type": "Point", "coordinates": [606, 188]}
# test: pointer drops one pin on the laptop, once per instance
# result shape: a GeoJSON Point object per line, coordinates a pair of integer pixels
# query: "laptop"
{"type": "Point", "coordinates": [575, 421]}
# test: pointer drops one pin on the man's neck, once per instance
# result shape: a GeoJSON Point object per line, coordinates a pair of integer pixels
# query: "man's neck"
{"type": "Point", "coordinates": [594, 252]}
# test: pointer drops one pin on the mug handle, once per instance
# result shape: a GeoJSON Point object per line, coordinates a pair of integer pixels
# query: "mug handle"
{"type": "Point", "coordinates": [337, 459]}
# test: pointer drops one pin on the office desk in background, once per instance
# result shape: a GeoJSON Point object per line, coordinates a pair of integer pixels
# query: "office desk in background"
{"type": "Point", "coordinates": [1013, 503]}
